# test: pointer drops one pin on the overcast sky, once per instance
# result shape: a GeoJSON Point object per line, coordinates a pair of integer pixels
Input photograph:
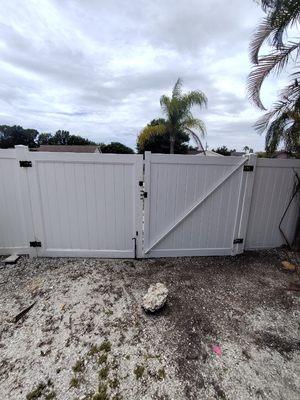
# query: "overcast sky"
{"type": "Point", "coordinates": [98, 68]}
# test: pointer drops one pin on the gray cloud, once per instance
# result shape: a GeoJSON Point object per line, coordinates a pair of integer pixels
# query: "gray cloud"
{"type": "Point", "coordinates": [99, 68]}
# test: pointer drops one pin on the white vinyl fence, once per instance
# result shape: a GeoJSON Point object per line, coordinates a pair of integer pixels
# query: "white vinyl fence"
{"type": "Point", "coordinates": [114, 205]}
{"type": "Point", "coordinates": [67, 204]}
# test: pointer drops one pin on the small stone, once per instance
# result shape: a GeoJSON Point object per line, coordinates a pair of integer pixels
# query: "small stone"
{"type": "Point", "coordinates": [155, 298]}
{"type": "Point", "coordinates": [288, 266]}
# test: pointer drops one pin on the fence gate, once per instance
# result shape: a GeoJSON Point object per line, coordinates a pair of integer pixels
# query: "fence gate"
{"type": "Point", "coordinates": [196, 205]}
{"type": "Point", "coordinates": [119, 205]}
{"type": "Point", "coordinates": [83, 204]}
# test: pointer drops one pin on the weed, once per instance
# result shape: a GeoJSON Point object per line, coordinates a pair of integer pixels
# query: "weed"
{"type": "Point", "coordinates": [37, 392]}
{"type": "Point", "coordinates": [79, 366]}
{"type": "Point", "coordinates": [161, 374]}
{"type": "Point", "coordinates": [102, 359]}
{"type": "Point", "coordinates": [139, 371]}
{"type": "Point", "coordinates": [93, 350]}
{"type": "Point", "coordinates": [74, 382]}
{"type": "Point", "coordinates": [102, 393]}
{"type": "Point", "coordinates": [103, 372]}
{"type": "Point", "coordinates": [115, 365]}
{"type": "Point", "coordinates": [114, 383]}
{"type": "Point", "coordinates": [127, 356]}
{"type": "Point", "coordinates": [109, 312]}
{"type": "Point", "coordinates": [105, 346]}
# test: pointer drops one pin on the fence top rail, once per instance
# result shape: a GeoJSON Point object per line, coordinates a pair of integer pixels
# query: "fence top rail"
{"type": "Point", "coordinates": [7, 153]}
{"type": "Point", "coordinates": [192, 159]}
{"type": "Point", "coordinates": [278, 163]}
{"type": "Point", "coordinates": [86, 158]}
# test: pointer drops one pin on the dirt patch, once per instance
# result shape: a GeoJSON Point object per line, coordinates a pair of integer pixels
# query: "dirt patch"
{"type": "Point", "coordinates": [89, 337]}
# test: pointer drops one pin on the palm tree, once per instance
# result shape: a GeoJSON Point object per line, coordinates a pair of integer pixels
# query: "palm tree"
{"type": "Point", "coordinates": [284, 127]}
{"type": "Point", "coordinates": [179, 117]}
{"type": "Point", "coordinates": [279, 122]}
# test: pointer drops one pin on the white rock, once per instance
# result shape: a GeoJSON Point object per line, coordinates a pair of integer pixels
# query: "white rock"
{"type": "Point", "coordinates": [155, 298]}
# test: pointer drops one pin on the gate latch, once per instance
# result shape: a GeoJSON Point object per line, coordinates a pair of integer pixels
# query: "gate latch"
{"type": "Point", "coordinates": [248, 168]}
{"type": "Point", "coordinates": [237, 241]}
{"type": "Point", "coordinates": [25, 164]}
{"type": "Point", "coordinates": [35, 244]}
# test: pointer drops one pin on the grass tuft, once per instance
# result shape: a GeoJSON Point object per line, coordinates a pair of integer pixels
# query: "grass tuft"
{"type": "Point", "coordinates": [74, 382]}
{"type": "Point", "coordinates": [37, 392]}
{"type": "Point", "coordinates": [161, 374]}
{"type": "Point", "coordinates": [105, 346]}
{"type": "Point", "coordinates": [103, 373]}
{"type": "Point", "coordinates": [79, 366]}
{"type": "Point", "coordinates": [93, 350]}
{"type": "Point", "coordinates": [102, 359]}
{"type": "Point", "coordinates": [114, 383]}
{"type": "Point", "coordinates": [139, 371]}
{"type": "Point", "coordinates": [102, 393]}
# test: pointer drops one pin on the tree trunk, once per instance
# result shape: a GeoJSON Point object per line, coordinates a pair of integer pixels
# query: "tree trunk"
{"type": "Point", "coordinates": [172, 143]}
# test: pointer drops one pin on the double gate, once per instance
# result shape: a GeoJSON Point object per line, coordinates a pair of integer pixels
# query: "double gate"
{"type": "Point", "coordinates": [124, 206]}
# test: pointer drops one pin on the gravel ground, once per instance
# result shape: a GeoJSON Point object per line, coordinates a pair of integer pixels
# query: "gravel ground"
{"type": "Point", "coordinates": [87, 337]}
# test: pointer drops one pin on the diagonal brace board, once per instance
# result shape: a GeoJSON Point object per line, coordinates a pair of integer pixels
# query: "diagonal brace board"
{"type": "Point", "coordinates": [196, 205]}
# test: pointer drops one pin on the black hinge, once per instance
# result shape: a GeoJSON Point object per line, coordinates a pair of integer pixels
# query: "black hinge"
{"type": "Point", "coordinates": [25, 164]}
{"type": "Point", "coordinates": [145, 194]}
{"type": "Point", "coordinates": [236, 241]}
{"type": "Point", "coordinates": [141, 183]}
{"type": "Point", "coordinates": [248, 168]}
{"type": "Point", "coordinates": [35, 244]}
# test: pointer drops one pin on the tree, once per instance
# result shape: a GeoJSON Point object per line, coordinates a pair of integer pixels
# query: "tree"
{"type": "Point", "coordinates": [76, 140]}
{"type": "Point", "coordinates": [155, 138]}
{"type": "Point", "coordinates": [246, 148]}
{"type": "Point", "coordinates": [223, 150]}
{"type": "Point", "coordinates": [43, 138]}
{"type": "Point", "coordinates": [14, 135]}
{"type": "Point", "coordinates": [115, 147]}
{"type": "Point", "coordinates": [281, 123]}
{"type": "Point", "coordinates": [62, 137]}
{"type": "Point", "coordinates": [179, 118]}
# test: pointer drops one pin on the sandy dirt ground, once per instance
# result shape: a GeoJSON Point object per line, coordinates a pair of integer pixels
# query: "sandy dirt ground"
{"type": "Point", "coordinates": [229, 330]}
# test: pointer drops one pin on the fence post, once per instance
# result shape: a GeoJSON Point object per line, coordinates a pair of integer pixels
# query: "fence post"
{"type": "Point", "coordinates": [146, 200]}
{"type": "Point", "coordinates": [244, 205]}
{"type": "Point", "coordinates": [23, 154]}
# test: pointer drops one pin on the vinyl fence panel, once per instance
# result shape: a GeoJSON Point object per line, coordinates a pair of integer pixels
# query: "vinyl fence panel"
{"type": "Point", "coordinates": [273, 187]}
{"type": "Point", "coordinates": [192, 204]}
{"type": "Point", "coordinates": [13, 231]}
{"type": "Point", "coordinates": [86, 204]}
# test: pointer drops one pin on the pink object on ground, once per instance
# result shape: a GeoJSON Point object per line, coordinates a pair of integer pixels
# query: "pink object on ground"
{"type": "Point", "coordinates": [217, 350]}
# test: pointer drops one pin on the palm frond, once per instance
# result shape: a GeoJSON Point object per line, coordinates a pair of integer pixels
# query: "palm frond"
{"type": "Point", "coordinates": [273, 62]}
{"type": "Point", "coordinates": [195, 97]}
{"type": "Point", "coordinates": [195, 123]}
{"type": "Point", "coordinates": [263, 32]}
{"type": "Point", "coordinates": [165, 102]}
{"type": "Point", "coordinates": [281, 14]}
{"type": "Point", "coordinates": [292, 91]}
{"type": "Point", "coordinates": [177, 89]}
{"type": "Point", "coordinates": [196, 139]}
{"type": "Point", "coordinates": [276, 132]}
